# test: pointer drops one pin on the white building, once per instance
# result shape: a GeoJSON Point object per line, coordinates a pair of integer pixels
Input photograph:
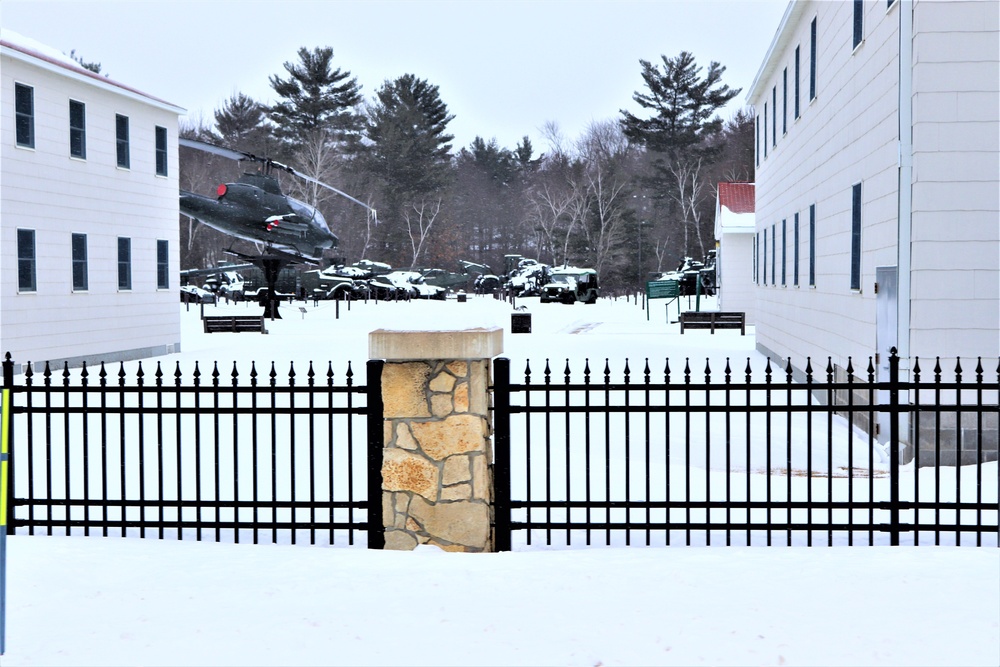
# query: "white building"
{"type": "Point", "coordinates": [89, 203]}
{"type": "Point", "coordinates": [878, 183]}
{"type": "Point", "coordinates": [734, 234]}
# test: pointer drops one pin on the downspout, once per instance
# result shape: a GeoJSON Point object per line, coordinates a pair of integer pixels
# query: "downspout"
{"type": "Point", "coordinates": [905, 188]}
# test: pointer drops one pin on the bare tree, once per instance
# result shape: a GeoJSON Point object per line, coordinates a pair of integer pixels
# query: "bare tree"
{"type": "Point", "coordinates": [419, 222]}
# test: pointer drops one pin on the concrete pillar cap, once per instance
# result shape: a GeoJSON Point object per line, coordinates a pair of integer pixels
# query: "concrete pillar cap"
{"type": "Point", "coordinates": [403, 345]}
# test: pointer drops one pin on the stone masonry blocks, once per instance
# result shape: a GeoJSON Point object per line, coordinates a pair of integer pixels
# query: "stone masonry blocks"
{"type": "Point", "coordinates": [436, 481]}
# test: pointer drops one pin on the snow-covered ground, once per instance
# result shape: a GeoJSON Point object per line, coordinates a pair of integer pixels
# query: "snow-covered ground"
{"type": "Point", "coordinates": [114, 601]}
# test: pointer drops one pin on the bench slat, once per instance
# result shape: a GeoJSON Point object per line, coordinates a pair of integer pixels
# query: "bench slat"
{"type": "Point", "coordinates": [713, 319]}
{"type": "Point", "coordinates": [233, 324]}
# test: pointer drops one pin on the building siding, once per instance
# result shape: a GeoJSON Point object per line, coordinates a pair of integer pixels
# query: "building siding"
{"type": "Point", "coordinates": [46, 190]}
{"type": "Point", "coordinates": [850, 134]}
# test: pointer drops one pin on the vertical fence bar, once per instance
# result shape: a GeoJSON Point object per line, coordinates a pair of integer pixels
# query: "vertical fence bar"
{"type": "Point", "coordinates": [291, 448]}
{"type": "Point", "coordinates": [376, 529]}
{"type": "Point", "coordinates": [894, 448]}
{"type": "Point", "coordinates": [6, 489]}
{"type": "Point", "coordinates": [569, 457]}
{"type": "Point", "coordinates": [501, 455]}
{"type": "Point", "coordinates": [586, 440]}
{"type": "Point", "coordinates": [235, 375]}
{"type": "Point", "coordinates": [687, 451]}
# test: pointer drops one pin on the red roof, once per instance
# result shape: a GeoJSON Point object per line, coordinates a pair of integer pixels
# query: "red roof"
{"type": "Point", "coordinates": [737, 197]}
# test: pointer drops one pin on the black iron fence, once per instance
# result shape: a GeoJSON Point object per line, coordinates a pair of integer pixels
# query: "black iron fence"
{"type": "Point", "coordinates": [225, 455]}
{"type": "Point", "coordinates": [724, 458]}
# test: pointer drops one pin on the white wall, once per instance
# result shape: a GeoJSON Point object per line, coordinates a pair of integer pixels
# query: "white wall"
{"type": "Point", "coordinates": [956, 179]}
{"type": "Point", "coordinates": [735, 275]}
{"type": "Point", "coordinates": [46, 190]}
{"type": "Point", "coordinates": [850, 134]}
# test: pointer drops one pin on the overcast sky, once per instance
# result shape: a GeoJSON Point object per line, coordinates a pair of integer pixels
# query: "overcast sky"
{"type": "Point", "coordinates": [504, 69]}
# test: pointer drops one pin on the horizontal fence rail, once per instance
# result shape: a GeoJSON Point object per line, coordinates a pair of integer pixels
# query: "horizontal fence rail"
{"type": "Point", "coordinates": [223, 456]}
{"type": "Point", "coordinates": [730, 458]}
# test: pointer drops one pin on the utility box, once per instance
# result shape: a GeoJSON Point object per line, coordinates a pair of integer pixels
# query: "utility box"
{"type": "Point", "coordinates": [520, 323]}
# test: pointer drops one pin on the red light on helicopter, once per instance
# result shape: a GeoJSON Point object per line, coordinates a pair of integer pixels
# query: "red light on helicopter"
{"type": "Point", "coordinates": [222, 189]}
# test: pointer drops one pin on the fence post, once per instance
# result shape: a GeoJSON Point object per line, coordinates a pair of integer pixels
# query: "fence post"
{"type": "Point", "coordinates": [501, 455]}
{"type": "Point", "coordinates": [893, 448]}
{"type": "Point", "coordinates": [7, 502]}
{"type": "Point", "coordinates": [435, 431]}
{"type": "Point", "coordinates": [376, 528]}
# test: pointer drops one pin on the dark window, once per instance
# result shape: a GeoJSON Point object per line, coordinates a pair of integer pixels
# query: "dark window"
{"type": "Point", "coordinates": [79, 261]}
{"type": "Point", "coordinates": [765, 256]}
{"type": "Point", "coordinates": [889, 3]}
{"type": "Point", "coordinates": [26, 260]}
{"type": "Point", "coordinates": [77, 129]}
{"type": "Point", "coordinates": [121, 137]}
{"type": "Point", "coordinates": [162, 265]}
{"type": "Point", "coordinates": [812, 60]}
{"type": "Point", "coordinates": [859, 22]}
{"type": "Point", "coordinates": [795, 251]}
{"type": "Point", "coordinates": [797, 82]}
{"type": "Point", "coordinates": [24, 113]}
{"type": "Point", "coordinates": [784, 252]}
{"type": "Point", "coordinates": [124, 263]}
{"type": "Point", "coordinates": [774, 116]}
{"type": "Point", "coordinates": [774, 252]}
{"type": "Point", "coordinates": [161, 151]}
{"type": "Point", "coordinates": [812, 245]}
{"type": "Point", "coordinates": [784, 101]}
{"type": "Point", "coordinates": [765, 130]}
{"type": "Point", "coordinates": [856, 236]}
{"type": "Point", "coordinates": [757, 125]}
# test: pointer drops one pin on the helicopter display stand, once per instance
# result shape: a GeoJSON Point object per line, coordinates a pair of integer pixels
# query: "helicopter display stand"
{"type": "Point", "coordinates": [271, 265]}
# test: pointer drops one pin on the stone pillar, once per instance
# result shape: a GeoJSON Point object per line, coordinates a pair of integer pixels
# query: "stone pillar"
{"type": "Point", "coordinates": [436, 469]}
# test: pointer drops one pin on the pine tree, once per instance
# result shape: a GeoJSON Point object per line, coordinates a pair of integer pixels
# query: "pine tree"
{"type": "Point", "coordinates": [682, 134]}
{"type": "Point", "coordinates": [315, 98]}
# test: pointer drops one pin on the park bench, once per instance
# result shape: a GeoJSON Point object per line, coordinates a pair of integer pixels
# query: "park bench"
{"type": "Point", "coordinates": [713, 319]}
{"type": "Point", "coordinates": [234, 323]}
{"type": "Point", "coordinates": [662, 289]}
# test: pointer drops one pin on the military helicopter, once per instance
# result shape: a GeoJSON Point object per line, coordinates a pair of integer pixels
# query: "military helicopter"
{"type": "Point", "coordinates": [255, 209]}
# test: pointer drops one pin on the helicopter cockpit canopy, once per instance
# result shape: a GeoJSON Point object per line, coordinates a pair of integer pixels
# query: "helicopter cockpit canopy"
{"type": "Point", "coordinates": [307, 212]}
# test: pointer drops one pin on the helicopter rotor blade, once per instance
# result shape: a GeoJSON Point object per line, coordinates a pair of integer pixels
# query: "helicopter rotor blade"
{"type": "Point", "coordinates": [371, 211]}
{"type": "Point", "coordinates": [212, 148]}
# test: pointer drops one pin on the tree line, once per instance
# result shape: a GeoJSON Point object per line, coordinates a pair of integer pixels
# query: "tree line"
{"type": "Point", "coordinates": [629, 196]}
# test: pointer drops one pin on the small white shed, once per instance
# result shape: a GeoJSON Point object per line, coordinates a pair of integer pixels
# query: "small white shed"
{"type": "Point", "coordinates": [734, 235]}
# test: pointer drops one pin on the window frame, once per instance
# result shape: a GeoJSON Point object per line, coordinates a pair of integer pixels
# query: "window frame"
{"type": "Point", "coordinates": [812, 245]}
{"type": "Point", "coordinates": [795, 249]}
{"type": "Point", "coordinates": [162, 264]}
{"type": "Point", "coordinates": [757, 125]}
{"type": "Point", "coordinates": [161, 150]}
{"type": "Point", "coordinates": [812, 60]}
{"type": "Point", "coordinates": [798, 75]}
{"type": "Point", "coordinates": [24, 117]}
{"type": "Point", "coordinates": [27, 262]}
{"type": "Point", "coordinates": [784, 252]}
{"type": "Point", "coordinates": [774, 116]}
{"type": "Point", "coordinates": [856, 206]}
{"type": "Point", "coordinates": [124, 264]}
{"type": "Point", "coordinates": [77, 133]}
{"type": "Point", "coordinates": [764, 263]}
{"type": "Point", "coordinates": [774, 252]}
{"type": "Point", "coordinates": [765, 130]}
{"type": "Point", "coordinates": [858, 36]}
{"type": "Point", "coordinates": [122, 149]}
{"type": "Point", "coordinates": [784, 102]}
{"type": "Point", "coordinates": [78, 252]}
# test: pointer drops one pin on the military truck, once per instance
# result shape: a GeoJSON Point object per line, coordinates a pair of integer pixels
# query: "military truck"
{"type": "Point", "coordinates": [570, 284]}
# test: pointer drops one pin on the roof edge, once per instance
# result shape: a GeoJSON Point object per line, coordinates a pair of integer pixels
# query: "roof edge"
{"type": "Point", "coordinates": [31, 56]}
